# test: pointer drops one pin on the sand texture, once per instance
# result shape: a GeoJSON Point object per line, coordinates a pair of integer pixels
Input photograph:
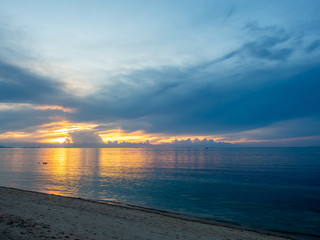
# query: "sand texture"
{"type": "Point", "coordinates": [32, 215]}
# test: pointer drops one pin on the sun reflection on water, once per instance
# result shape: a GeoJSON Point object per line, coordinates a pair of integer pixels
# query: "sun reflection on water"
{"type": "Point", "coordinates": [64, 171]}
{"type": "Point", "coordinates": [98, 172]}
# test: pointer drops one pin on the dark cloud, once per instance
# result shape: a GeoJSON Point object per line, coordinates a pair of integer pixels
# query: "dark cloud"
{"type": "Point", "coordinates": [264, 49]}
{"type": "Point", "coordinates": [290, 129]}
{"type": "Point", "coordinates": [313, 46]}
{"type": "Point", "coordinates": [187, 102]}
{"type": "Point", "coordinates": [20, 85]}
{"type": "Point", "coordinates": [215, 110]}
{"type": "Point", "coordinates": [23, 119]}
{"type": "Point", "coordinates": [267, 43]}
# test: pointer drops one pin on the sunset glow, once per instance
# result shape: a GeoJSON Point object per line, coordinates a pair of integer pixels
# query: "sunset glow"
{"type": "Point", "coordinates": [159, 73]}
{"type": "Point", "coordinates": [52, 107]}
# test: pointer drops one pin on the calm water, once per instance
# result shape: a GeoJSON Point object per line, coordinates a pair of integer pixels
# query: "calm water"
{"type": "Point", "coordinates": [263, 188]}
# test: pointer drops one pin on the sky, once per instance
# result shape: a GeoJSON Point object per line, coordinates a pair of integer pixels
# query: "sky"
{"type": "Point", "coordinates": [93, 71]}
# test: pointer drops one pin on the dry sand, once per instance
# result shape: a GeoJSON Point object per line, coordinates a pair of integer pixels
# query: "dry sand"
{"type": "Point", "coordinates": [32, 215]}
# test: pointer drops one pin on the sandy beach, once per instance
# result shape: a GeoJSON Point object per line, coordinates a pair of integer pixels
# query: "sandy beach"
{"type": "Point", "coordinates": [32, 215]}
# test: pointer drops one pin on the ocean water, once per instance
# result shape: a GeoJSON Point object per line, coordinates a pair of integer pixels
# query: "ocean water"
{"type": "Point", "coordinates": [268, 189]}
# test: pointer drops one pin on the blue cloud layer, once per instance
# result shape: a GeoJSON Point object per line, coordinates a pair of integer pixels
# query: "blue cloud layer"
{"type": "Point", "coordinates": [271, 77]}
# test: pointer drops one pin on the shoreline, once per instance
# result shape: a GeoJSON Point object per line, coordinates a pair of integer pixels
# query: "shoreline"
{"type": "Point", "coordinates": [27, 214]}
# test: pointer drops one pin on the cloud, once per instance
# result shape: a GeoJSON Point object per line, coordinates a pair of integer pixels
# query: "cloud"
{"type": "Point", "coordinates": [269, 44]}
{"type": "Point", "coordinates": [32, 97]}
{"type": "Point", "coordinates": [190, 100]}
{"type": "Point", "coordinates": [313, 46]}
{"type": "Point", "coordinates": [229, 94]}
{"type": "Point", "coordinates": [197, 143]}
{"type": "Point", "coordinates": [23, 119]}
{"type": "Point", "coordinates": [196, 102]}
{"type": "Point", "coordinates": [264, 49]}
{"type": "Point", "coordinates": [85, 137]}
{"type": "Point", "coordinates": [293, 128]}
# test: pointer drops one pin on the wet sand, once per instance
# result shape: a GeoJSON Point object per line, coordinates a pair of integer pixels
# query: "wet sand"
{"type": "Point", "coordinates": [32, 215]}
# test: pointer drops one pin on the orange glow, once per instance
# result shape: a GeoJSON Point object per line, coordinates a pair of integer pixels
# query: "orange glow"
{"type": "Point", "coordinates": [169, 139]}
{"type": "Point", "coordinates": [58, 130]}
{"type": "Point", "coordinates": [14, 135]}
{"type": "Point", "coordinates": [58, 133]}
{"type": "Point", "coordinates": [55, 107]}
{"type": "Point", "coordinates": [140, 136]}
{"type": "Point", "coordinates": [121, 136]}
{"type": "Point", "coordinates": [55, 132]}
{"type": "Point", "coordinates": [56, 140]}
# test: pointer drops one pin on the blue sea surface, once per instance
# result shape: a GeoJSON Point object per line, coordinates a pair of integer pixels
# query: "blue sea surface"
{"type": "Point", "coordinates": [275, 189]}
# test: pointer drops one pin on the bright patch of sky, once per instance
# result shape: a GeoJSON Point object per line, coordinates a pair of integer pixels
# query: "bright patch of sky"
{"type": "Point", "coordinates": [93, 40]}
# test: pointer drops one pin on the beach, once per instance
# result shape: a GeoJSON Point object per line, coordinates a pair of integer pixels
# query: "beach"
{"type": "Point", "coordinates": [33, 215]}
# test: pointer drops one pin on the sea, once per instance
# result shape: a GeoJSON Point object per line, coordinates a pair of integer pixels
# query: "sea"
{"type": "Point", "coordinates": [273, 190]}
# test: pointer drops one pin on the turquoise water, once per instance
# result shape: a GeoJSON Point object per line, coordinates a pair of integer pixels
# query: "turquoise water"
{"type": "Point", "coordinates": [274, 189]}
